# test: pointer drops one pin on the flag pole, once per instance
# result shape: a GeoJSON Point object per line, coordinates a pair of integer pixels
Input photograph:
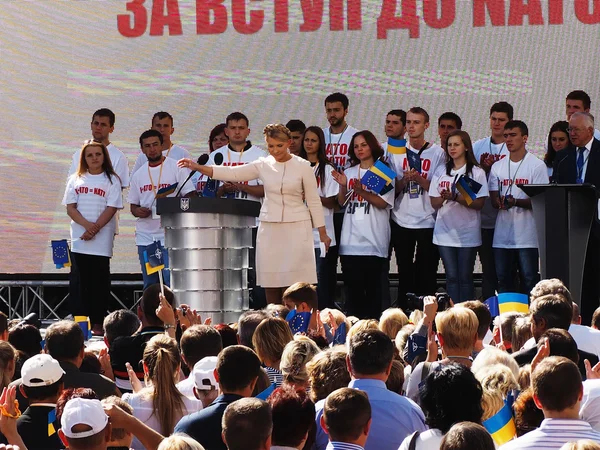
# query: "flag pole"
{"type": "Point", "coordinates": [162, 285]}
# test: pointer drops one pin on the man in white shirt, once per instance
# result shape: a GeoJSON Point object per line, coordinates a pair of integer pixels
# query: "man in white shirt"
{"type": "Point", "coordinates": [487, 152]}
{"type": "Point", "coordinates": [447, 123]}
{"type": "Point", "coordinates": [102, 125]}
{"type": "Point", "coordinates": [337, 141]}
{"type": "Point", "coordinates": [163, 123]}
{"type": "Point", "coordinates": [586, 338]}
{"type": "Point", "coordinates": [515, 239]}
{"type": "Point", "coordinates": [557, 391]}
{"type": "Point", "coordinates": [157, 173]}
{"type": "Point", "coordinates": [238, 152]}
{"type": "Point", "coordinates": [413, 217]}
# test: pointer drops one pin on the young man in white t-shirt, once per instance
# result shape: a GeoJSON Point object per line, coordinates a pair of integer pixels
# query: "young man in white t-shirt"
{"type": "Point", "coordinates": [337, 142]}
{"type": "Point", "coordinates": [489, 151]}
{"type": "Point", "coordinates": [163, 123]}
{"type": "Point", "coordinates": [515, 239]}
{"type": "Point", "coordinates": [413, 217]}
{"type": "Point", "coordinates": [447, 123]}
{"type": "Point", "coordinates": [157, 173]}
{"type": "Point", "coordinates": [102, 125]}
{"type": "Point", "coordinates": [238, 152]}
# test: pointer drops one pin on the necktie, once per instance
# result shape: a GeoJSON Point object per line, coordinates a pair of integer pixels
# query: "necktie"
{"type": "Point", "coordinates": [580, 163]}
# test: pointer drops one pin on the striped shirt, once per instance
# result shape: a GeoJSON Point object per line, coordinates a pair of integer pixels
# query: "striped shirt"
{"type": "Point", "coordinates": [275, 376]}
{"type": "Point", "coordinates": [554, 433]}
{"type": "Point", "coordinates": [343, 446]}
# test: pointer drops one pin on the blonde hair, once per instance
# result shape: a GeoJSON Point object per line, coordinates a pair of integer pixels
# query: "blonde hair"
{"type": "Point", "coordinates": [327, 372]}
{"type": "Point", "coordinates": [491, 403]}
{"type": "Point", "coordinates": [521, 332]}
{"type": "Point", "coordinates": [362, 325]}
{"type": "Point", "coordinates": [402, 337]}
{"type": "Point", "coordinates": [7, 355]}
{"type": "Point", "coordinates": [270, 338]}
{"type": "Point", "coordinates": [162, 357]}
{"type": "Point", "coordinates": [524, 377]}
{"type": "Point", "coordinates": [415, 316]}
{"type": "Point", "coordinates": [296, 355]}
{"type": "Point", "coordinates": [338, 316]}
{"type": "Point", "coordinates": [582, 444]}
{"type": "Point", "coordinates": [498, 378]}
{"type": "Point", "coordinates": [391, 321]}
{"type": "Point", "coordinates": [492, 355]}
{"type": "Point", "coordinates": [277, 131]}
{"type": "Point", "coordinates": [458, 327]}
{"type": "Point", "coordinates": [179, 441]}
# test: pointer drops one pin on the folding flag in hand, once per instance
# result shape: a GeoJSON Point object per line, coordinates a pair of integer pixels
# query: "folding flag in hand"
{"type": "Point", "coordinates": [414, 161]}
{"type": "Point", "coordinates": [513, 302]}
{"type": "Point", "coordinates": [166, 191]}
{"type": "Point", "coordinates": [468, 188]}
{"type": "Point", "coordinates": [51, 420]}
{"type": "Point", "coordinates": [298, 321]}
{"type": "Point", "coordinates": [379, 178]}
{"type": "Point", "coordinates": [396, 146]}
{"type": "Point", "coordinates": [492, 305]}
{"type": "Point", "coordinates": [340, 334]}
{"type": "Point", "coordinates": [501, 426]}
{"type": "Point", "coordinates": [60, 254]}
{"type": "Point", "coordinates": [154, 258]}
{"type": "Point", "coordinates": [84, 324]}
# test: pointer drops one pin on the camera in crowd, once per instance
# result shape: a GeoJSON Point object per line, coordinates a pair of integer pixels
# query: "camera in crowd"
{"type": "Point", "coordinates": [414, 301]}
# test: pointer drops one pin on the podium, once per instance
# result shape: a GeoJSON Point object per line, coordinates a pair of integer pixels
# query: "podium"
{"type": "Point", "coordinates": [563, 214]}
{"type": "Point", "coordinates": [208, 240]}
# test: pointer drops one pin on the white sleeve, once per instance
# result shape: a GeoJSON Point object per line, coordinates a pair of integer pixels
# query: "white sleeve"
{"type": "Point", "coordinates": [540, 175]}
{"type": "Point", "coordinates": [122, 169]}
{"type": "Point", "coordinates": [389, 198]}
{"type": "Point", "coordinates": [412, 390]}
{"type": "Point", "coordinates": [482, 179]}
{"type": "Point", "coordinates": [332, 187]}
{"type": "Point", "coordinates": [134, 192]}
{"type": "Point", "coordinates": [493, 181]}
{"type": "Point", "coordinates": [139, 162]}
{"type": "Point", "coordinates": [435, 184]}
{"type": "Point", "coordinates": [70, 194]}
{"type": "Point", "coordinates": [186, 154]}
{"type": "Point", "coordinates": [115, 195]}
{"type": "Point", "coordinates": [74, 163]}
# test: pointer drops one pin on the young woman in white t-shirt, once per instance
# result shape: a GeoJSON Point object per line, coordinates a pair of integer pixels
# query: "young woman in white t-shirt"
{"type": "Point", "coordinates": [457, 231]}
{"type": "Point", "coordinates": [313, 150]}
{"type": "Point", "coordinates": [366, 231]}
{"type": "Point", "coordinates": [92, 197]}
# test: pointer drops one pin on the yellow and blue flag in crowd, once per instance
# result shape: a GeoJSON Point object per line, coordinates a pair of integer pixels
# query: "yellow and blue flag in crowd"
{"type": "Point", "coordinates": [508, 302]}
{"type": "Point", "coordinates": [166, 191]}
{"type": "Point", "coordinates": [154, 258]}
{"type": "Point", "coordinates": [51, 421]}
{"type": "Point", "coordinates": [468, 188]}
{"type": "Point", "coordinates": [379, 178]}
{"type": "Point", "coordinates": [396, 146]}
{"type": "Point", "coordinates": [60, 253]}
{"type": "Point", "coordinates": [85, 325]}
{"type": "Point", "coordinates": [501, 426]}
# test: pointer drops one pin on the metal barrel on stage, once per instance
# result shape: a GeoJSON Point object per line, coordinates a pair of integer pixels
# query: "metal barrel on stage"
{"type": "Point", "coordinates": [209, 241]}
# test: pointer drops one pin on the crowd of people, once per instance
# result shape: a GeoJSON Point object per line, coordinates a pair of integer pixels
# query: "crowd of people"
{"type": "Point", "coordinates": [451, 379]}
{"type": "Point", "coordinates": [311, 182]}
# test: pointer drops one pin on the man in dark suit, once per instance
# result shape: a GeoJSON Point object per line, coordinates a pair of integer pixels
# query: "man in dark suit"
{"type": "Point", "coordinates": [576, 165]}
{"type": "Point", "coordinates": [237, 371]}
{"type": "Point", "coordinates": [551, 311]}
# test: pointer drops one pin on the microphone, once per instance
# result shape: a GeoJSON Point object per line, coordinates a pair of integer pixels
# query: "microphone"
{"type": "Point", "coordinates": [211, 186]}
{"type": "Point", "coordinates": [555, 173]}
{"type": "Point", "coordinates": [202, 160]}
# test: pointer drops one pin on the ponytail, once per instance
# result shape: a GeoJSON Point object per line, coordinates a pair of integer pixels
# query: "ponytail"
{"type": "Point", "coordinates": [162, 357]}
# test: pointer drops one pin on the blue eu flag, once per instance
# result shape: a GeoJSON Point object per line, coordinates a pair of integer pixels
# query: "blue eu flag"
{"type": "Point", "coordinates": [60, 253]}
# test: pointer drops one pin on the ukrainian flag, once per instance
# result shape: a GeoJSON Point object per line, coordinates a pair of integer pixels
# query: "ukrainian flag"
{"type": "Point", "coordinates": [51, 420]}
{"type": "Point", "coordinates": [501, 426]}
{"type": "Point", "coordinates": [378, 177]}
{"type": "Point", "coordinates": [513, 302]}
{"type": "Point", "coordinates": [468, 188]}
{"type": "Point", "coordinates": [396, 146]}
{"type": "Point", "coordinates": [166, 191]}
{"type": "Point", "coordinates": [84, 324]}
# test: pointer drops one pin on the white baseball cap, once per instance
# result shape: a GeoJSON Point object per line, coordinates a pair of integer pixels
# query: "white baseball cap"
{"type": "Point", "coordinates": [41, 370]}
{"type": "Point", "coordinates": [83, 411]}
{"type": "Point", "coordinates": [204, 374]}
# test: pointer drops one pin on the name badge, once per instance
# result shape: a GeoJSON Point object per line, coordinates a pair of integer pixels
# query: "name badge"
{"type": "Point", "coordinates": [413, 189]}
{"type": "Point", "coordinates": [154, 214]}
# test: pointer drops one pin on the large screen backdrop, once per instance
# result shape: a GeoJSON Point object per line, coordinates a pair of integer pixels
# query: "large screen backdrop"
{"type": "Point", "coordinates": [274, 61]}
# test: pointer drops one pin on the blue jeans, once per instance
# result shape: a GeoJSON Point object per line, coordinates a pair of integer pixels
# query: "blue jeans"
{"type": "Point", "coordinates": [507, 261]}
{"type": "Point", "coordinates": [153, 278]}
{"type": "Point", "coordinates": [458, 264]}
